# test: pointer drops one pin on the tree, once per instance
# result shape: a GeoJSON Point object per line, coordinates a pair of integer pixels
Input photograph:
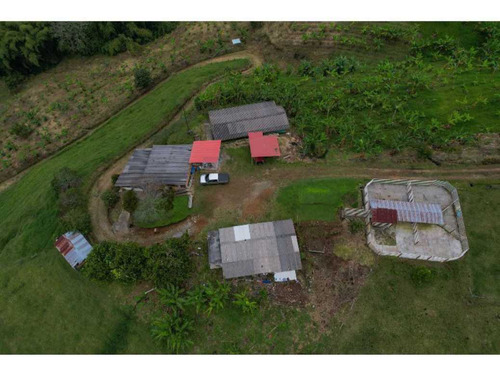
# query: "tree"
{"type": "Point", "coordinates": [129, 262]}
{"type": "Point", "coordinates": [26, 47]}
{"type": "Point", "coordinates": [166, 202]}
{"type": "Point", "coordinates": [110, 197]}
{"type": "Point", "coordinates": [169, 263]}
{"type": "Point", "coordinates": [130, 201]}
{"type": "Point", "coordinates": [142, 77]}
{"type": "Point", "coordinates": [65, 179]}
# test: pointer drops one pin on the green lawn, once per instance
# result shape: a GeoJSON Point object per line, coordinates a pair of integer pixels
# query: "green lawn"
{"type": "Point", "coordinates": [154, 219]}
{"type": "Point", "coordinates": [46, 306]}
{"type": "Point", "coordinates": [315, 199]}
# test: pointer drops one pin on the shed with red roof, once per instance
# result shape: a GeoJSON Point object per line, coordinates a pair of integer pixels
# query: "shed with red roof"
{"type": "Point", "coordinates": [205, 154]}
{"type": "Point", "coordinates": [263, 146]}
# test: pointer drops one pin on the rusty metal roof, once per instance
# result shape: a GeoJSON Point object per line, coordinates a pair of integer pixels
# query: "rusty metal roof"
{"type": "Point", "coordinates": [237, 122]}
{"type": "Point", "coordinates": [412, 212]}
{"type": "Point", "coordinates": [74, 247]}
{"type": "Point", "coordinates": [381, 215]}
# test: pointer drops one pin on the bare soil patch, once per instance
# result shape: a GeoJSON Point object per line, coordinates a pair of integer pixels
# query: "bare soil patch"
{"type": "Point", "coordinates": [332, 282]}
{"type": "Point", "coordinates": [256, 203]}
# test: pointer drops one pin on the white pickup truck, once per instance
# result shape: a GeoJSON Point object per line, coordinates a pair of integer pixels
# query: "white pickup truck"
{"type": "Point", "coordinates": [212, 179]}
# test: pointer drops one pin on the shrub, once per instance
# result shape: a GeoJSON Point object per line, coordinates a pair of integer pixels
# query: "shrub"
{"type": "Point", "coordinates": [129, 262]}
{"type": "Point", "coordinates": [173, 329]}
{"type": "Point", "coordinates": [245, 303]}
{"type": "Point", "coordinates": [169, 263]}
{"type": "Point", "coordinates": [356, 226]}
{"type": "Point", "coordinates": [130, 201]}
{"type": "Point", "coordinates": [110, 197]}
{"type": "Point", "coordinates": [166, 202]}
{"type": "Point", "coordinates": [114, 178]}
{"type": "Point", "coordinates": [21, 130]}
{"type": "Point", "coordinates": [421, 276]}
{"type": "Point", "coordinates": [99, 262]}
{"type": "Point", "coordinates": [142, 78]}
{"type": "Point", "coordinates": [71, 199]}
{"type": "Point", "coordinates": [65, 179]}
{"type": "Point", "coordinates": [77, 220]}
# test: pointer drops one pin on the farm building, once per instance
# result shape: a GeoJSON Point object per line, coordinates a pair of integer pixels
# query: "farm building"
{"type": "Point", "coordinates": [253, 249]}
{"type": "Point", "coordinates": [158, 166]}
{"type": "Point", "coordinates": [205, 154]}
{"type": "Point", "coordinates": [262, 147]}
{"type": "Point", "coordinates": [74, 247]}
{"type": "Point", "coordinates": [237, 122]}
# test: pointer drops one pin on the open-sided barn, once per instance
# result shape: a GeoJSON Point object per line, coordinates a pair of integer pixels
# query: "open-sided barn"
{"type": "Point", "coordinates": [159, 165]}
{"type": "Point", "coordinates": [237, 122]}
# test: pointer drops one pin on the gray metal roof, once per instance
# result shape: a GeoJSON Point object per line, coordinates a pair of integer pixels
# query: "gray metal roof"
{"type": "Point", "coordinates": [413, 212]}
{"type": "Point", "coordinates": [236, 122]}
{"type": "Point", "coordinates": [252, 249]}
{"type": "Point", "coordinates": [161, 165]}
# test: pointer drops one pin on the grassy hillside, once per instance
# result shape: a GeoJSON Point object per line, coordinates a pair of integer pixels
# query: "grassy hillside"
{"type": "Point", "coordinates": [48, 307]}
{"type": "Point", "coordinates": [65, 102]}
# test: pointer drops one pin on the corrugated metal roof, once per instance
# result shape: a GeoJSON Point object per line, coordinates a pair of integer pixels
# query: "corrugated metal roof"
{"type": "Point", "coordinates": [381, 215]}
{"type": "Point", "coordinates": [263, 146]}
{"type": "Point", "coordinates": [74, 247]}
{"type": "Point", "coordinates": [161, 165]}
{"type": "Point", "coordinates": [412, 212]}
{"type": "Point", "coordinates": [237, 122]}
{"type": "Point", "coordinates": [207, 151]}
{"type": "Point", "coordinates": [255, 248]}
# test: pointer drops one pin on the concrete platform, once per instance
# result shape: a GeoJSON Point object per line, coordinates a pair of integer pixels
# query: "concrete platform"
{"type": "Point", "coordinates": [436, 242]}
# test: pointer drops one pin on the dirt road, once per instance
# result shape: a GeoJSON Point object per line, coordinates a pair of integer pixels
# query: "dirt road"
{"type": "Point", "coordinates": [101, 225]}
{"type": "Point", "coordinates": [258, 189]}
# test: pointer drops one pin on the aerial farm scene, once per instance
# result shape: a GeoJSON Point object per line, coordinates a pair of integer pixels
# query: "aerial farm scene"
{"type": "Point", "coordinates": [250, 188]}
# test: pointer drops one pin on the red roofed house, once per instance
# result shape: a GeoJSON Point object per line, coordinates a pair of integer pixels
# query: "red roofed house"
{"type": "Point", "coordinates": [263, 146]}
{"type": "Point", "coordinates": [205, 154]}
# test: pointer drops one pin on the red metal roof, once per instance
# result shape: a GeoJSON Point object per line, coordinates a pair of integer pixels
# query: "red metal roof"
{"type": "Point", "coordinates": [382, 215]}
{"type": "Point", "coordinates": [263, 146]}
{"type": "Point", "coordinates": [205, 151]}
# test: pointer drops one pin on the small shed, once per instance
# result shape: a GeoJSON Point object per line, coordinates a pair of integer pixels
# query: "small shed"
{"type": "Point", "coordinates": [205, 154]}
{"type": "Point", "coordinates": [263, 146]}
{"type": "Point", "coordinates": [74, 247]}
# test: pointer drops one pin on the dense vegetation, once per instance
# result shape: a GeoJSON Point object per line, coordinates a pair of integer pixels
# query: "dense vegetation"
{"type": "Point", "coordinates": [163, 264]}
{"type": "Point", "coordinates": [29, 47]}
{"type": "Point", "coordinates": [389, 105]}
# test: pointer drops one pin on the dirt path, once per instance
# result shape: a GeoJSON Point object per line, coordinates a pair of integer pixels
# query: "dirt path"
{"type": "Point", "coordinates": [101, 225]}
{"type": "Point", "coordinates": [257, 189]}
{"type": "Point", "coordinates": [251, 54]}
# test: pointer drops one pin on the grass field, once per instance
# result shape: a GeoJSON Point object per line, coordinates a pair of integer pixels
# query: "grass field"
{"type": "Point", "coordinates": [46, 306]}
{"type": "Point", "coordinates": [313, 199]}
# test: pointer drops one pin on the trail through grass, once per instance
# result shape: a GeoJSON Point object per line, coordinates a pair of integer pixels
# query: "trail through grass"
{"type": "Point", "coordinates": [46, 306]}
